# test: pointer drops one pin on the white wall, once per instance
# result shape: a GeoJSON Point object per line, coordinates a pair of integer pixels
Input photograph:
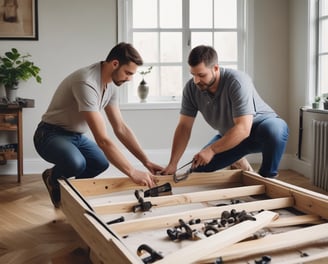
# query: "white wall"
{"type": "Point", "coordinates": [299, 77]}
{"type": "Point", "coordinates": [73, 34]}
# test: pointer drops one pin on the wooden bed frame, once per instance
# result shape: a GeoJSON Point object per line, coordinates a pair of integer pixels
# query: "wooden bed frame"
{"type": "Point", "coordinates": [292, 221]}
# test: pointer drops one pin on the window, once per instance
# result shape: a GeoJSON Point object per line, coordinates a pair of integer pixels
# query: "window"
{"type": "Point", "coordinates": [164, 32]}
{"type": "Point", "coordinates": [322, 59]}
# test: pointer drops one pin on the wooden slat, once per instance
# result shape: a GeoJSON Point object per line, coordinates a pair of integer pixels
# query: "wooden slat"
{"type": "Point", "coordinates": [104, 244]}
{"type": "Point", "coordinates": [275, 242]}
{"type": "Point", "coordinates": [322, 256]}
{"type": "Point", "coordinates": [186, 198]}
{"type": "Point", "coordinates": [285, 221]}
{"type": "Point", "coordinates": [99, 186]}
{"type": "Point", "coordinates": [223, 239]}
{"type": "Point", "coordinates": [170, 220]}
{"type": "Point", "coordinates": [306, 201]}
{"type": "Point", "coordinates": [296, 220]}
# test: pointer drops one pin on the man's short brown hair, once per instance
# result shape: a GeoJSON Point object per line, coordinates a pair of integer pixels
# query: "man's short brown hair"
{"type": "Point", "coordinates": [203, 53]}
{"type": "Point", "coordinates": [125, 53]}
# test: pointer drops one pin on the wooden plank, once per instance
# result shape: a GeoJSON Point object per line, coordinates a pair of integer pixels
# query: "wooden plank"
{"type": "Point", "coordinates": [323, 256]}
{"type": "Point", "coordinates": [285, 221]}
{"type": "Point", "coordinates": [223, 239]}
{"type": "Point", "coordinates": [306, 201]}
{"type": "Point", "coordinates": [186, 198]}
{"type": "Point", "coordinates": [271, 243]}
{"type": "Point", "coordinates": [106, 246]}
{"type": "Point", "coordinates": [99, 186]}
{"type": "Point", "coordinates": [171, 220]}
{"type": "Point", "coordinates": [296, 220]}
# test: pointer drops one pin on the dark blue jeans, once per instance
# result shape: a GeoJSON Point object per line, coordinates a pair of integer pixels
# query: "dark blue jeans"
{"type": "Point", "coordinates": [73, 154]}
{"type": "Point", "coordinates": [268, 137]}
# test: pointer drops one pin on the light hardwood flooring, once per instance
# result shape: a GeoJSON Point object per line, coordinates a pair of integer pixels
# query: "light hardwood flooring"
{"type": "Point", "coordinates": [32, 231]}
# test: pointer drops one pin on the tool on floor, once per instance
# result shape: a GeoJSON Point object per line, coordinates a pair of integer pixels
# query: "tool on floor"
{"type": "Point", "coordinates": [161, 190]}
{"type": "Point", "coordinates": [180, 175]}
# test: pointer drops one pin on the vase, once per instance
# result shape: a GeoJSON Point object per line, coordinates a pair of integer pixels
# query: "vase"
{"type": "Point", "coordinates": [325, 105]}
{"type": "Point", "coordinates": [143, 90]}
{"type": "Point", "coordinates": [11, 94]}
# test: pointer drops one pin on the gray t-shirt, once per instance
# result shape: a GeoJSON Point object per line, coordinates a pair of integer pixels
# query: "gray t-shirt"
{"type": "Point", "coordinates": [236, 96]}
{"type": "Point", "coordinates": [80, 91]}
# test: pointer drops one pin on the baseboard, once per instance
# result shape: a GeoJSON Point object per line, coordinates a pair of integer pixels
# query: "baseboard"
{"type": "Point", "coordinates": [300, 166]}
{"type": "Point", "coordinates": [159, 156]}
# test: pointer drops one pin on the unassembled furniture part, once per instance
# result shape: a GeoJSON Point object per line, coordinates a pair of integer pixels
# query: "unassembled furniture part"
{"type": "Point", "coordinates": [288, 224]}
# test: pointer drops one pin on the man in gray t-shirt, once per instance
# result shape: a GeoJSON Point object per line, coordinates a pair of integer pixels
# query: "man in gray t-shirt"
{"type": "Point", "coordinates": [75, 108]}
{"type": "Point", "coordinates": [230, 104]}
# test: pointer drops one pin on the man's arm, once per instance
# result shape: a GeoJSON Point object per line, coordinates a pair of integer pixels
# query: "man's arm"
{"type": "Point", "coordinates": [128, 138]}
{"type": "Point", "coordinates": [97, 126]}
{"type": "Point", "coordinates": [240, 131]}
{"type": "Point", "coordinates": [180, 140]}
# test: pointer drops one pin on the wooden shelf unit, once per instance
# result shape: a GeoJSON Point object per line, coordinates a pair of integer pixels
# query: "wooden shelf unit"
{"type": "Point", "coordinates": [11, 120]}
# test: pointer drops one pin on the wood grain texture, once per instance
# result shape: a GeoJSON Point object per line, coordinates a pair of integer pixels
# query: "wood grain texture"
{"type": "Point", "coordinates": [32, 231]}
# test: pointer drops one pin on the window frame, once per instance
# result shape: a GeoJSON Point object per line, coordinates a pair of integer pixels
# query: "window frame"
{"type": "Point", "coordinates": [244, 48]}
{"type": "Point", "coordinates": [319, 54]}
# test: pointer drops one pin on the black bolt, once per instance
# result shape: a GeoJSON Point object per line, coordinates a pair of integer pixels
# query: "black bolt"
{"type": "Point", "coordinates": [172, 233]}
{"type": "Point", "coordinates": [225, 215]}
{"type": "Point", "coordinates": [263, 260]}
{"type": "Point", "coordinates": [117, 220]}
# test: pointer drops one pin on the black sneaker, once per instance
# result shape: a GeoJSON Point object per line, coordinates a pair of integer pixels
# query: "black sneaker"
{"type": "Point", "coordinates": [53, 190]}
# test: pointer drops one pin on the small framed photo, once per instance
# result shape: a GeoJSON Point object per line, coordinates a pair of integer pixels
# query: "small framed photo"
{"type": "Point", "coordinates": [19, 20]}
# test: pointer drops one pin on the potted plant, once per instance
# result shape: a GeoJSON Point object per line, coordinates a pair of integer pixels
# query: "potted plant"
{"type": "Point", "coordinates": [315, 104]}
{"type": "Point", "coordinates": [143, 88]}
{"type": "Point", "coordinates": [15, 67]}
{"type": "Point", "coordinates": [325, 101]}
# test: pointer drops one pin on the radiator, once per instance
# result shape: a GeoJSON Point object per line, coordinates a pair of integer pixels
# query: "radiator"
{"type": "Point", "coordinates": [320, 154]}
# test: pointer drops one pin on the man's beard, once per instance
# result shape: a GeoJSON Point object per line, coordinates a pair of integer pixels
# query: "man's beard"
{"type": "Point", "coordinates": [114, 78]}
{"type": "Point", "coordinates": [206, 86]}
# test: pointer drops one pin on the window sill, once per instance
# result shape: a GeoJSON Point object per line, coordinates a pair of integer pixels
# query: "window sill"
{"type": "Point", "coordinates": [151, 106]}
{"type": "Point", "coordinates": [313, 110]}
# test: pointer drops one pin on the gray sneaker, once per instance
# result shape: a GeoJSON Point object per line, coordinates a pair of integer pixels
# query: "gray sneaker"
{"type": "Point", "coordinates": [53, 190]}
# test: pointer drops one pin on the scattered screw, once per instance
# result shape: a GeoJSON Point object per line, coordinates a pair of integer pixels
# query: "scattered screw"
{"type": "Point", "coordinates": [263, 260]}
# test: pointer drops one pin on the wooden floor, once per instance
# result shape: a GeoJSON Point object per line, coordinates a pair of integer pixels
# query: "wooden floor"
{"type": "Point", "coordinates": [33, 232]}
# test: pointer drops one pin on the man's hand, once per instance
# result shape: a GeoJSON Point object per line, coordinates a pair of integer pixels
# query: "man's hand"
{"type": "Point", "coordinates": [152, 167]}
{"type": "Point", "coordinates": [143, 178]}
{"type": "Point", "coordinates": [203, 157]}
{"type": "Point", "coordinates": [169, 170]}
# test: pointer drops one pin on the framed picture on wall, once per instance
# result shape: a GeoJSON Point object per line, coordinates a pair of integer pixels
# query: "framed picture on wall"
{"type": "Point", "coordinates": [18, 20]}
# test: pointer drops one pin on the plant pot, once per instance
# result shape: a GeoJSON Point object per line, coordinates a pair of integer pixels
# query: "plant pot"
{"type": "Point", "coordinates": [315, 105]}
{"type": "Point", "coordinates": [325, 105]}
{"type": "Point", "coordinates": [143, 90]}
{"type": "Point", "coordinates": [11, 94]}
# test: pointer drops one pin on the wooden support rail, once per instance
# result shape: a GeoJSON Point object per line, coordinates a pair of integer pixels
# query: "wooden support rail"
{"type": "Point", "coordinates": [171, 220]}
{"type": "Point", "coordinates": [186, 198]}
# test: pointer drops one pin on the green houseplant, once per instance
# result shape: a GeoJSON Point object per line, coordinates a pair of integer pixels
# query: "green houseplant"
{"type": "Point", "coordinates": [325, 101]}
{"type": "Point", "coordinates": [15, 67]}
{"type": "Point", "coordinates": [316, 103]}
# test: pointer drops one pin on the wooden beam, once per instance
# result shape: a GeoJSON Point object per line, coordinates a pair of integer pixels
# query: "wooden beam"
{"type": "Point", "coordinates": [285, 221]}
{"type": "Point", "coordinates": [275, 242]}
{"type": "Point", "coordinates": [170, 220]}
{"type": "Point", "coordinates": [99, 186]}
{"type": "Point", "coordinates": [323, 256]}
{"type": "Point", "coordinates": [296, 220]}
{"type": "Point", "coordinates": [186, 198]}
{"type": "Point", "coordinates": [223, 239]}
{"type": "Point", "coordinates": [305, 201]}
{"type": "Point", "coordinates": [104, 243]}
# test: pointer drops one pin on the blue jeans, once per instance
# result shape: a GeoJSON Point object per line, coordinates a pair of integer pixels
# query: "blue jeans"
{"type": "Point", "coordinates": [268, 137]}
{"type": "Point", "coordinates": [73, 154]}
